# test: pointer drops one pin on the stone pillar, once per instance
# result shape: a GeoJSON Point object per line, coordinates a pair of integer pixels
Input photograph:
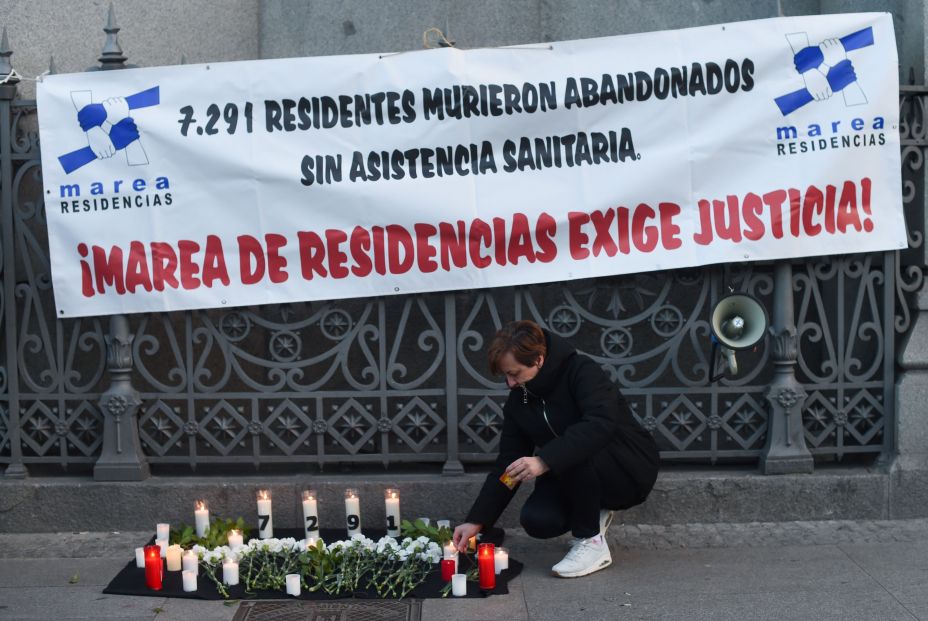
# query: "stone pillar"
{"type": "Point", "coordinates": [786, 451]}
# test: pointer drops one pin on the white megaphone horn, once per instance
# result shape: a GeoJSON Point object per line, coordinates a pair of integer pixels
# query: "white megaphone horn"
{"type": "Point", "coordinates": [738, 322]}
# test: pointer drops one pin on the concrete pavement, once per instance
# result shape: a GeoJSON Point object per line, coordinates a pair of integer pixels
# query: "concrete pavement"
{"type": "Point", "coordinates": [848, 570]}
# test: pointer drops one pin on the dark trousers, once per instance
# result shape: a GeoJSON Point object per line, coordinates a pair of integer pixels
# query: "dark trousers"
{"type": "Point", "coordinates": [572, 501]}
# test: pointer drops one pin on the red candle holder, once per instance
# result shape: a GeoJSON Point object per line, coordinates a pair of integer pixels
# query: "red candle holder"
{"type": "Point", "coordinates": [154, 567]}
{"type": "Point", "coordinates": [486, 565]}
{"type": "Point", "coordinates": [448, 567]}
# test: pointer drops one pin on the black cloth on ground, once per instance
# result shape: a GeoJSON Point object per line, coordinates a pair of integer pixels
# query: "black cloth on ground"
{"type": "Point", "coordinates": [131, 580]}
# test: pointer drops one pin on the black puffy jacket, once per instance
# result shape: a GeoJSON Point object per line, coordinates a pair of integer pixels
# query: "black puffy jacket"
{"type": "Point", "coordinates": [570, 412]}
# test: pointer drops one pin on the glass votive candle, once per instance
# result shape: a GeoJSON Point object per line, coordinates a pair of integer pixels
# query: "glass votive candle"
{"type": "Point", "coordinates": [163, 531]}
{"type": "Point", "coordinates": [201, 517]}
{"type": "Point", "coordinates": [459, 585]}
{"type": "Point", "coordinates": [448, 568]}
{"type": "Point", "coordinates": [191, 562]}
{"type": "Point", "coordinates": [293, 584]}
{"type": "Point", "coordinates": [140, 558]}
{"type": "Point", "coordinates": [236, 540]}
{"type": "Point", "coordinates": [501, 558]}
{"type": "Point", "coordinates": [163, 544]}
{"type": "Point", "coordinates": [190, 581]}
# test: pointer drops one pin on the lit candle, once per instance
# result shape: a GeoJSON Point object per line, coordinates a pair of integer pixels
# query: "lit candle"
{"type": "Point", "coordinates": [173, 557]}
{"type": "Point", "coordinates": [352, 512]}
{"type": "Point", "coordinates": [459, 585]}
{"type": "Point", "coordinates": [190, 581]}
{"type": "Point", "coordinates": [265, 515]}
{"type": "Point", "coordinates": [447, 569]}
{"type": "Point", "coordinates": [163, 544]}
{"type": "Point", "coordinates": [501, 557]}
{"type": "Point", "coordinates": [236, 540]}
{"type": "Point", "coordinates": [310, 513]}
{"type": "Point", "coordinates": [191, 562]}
{"type": "Point", "coordinates": [449, 552]}
{"type": "Point", "coordinates": [311, 542]}
{"type": "Point", "coordinates": [293, 585]}
{"type": "Point", "coordinates": [486, 565]}
{"type": "Point", "coordinates": [201, 517]}
{"type": "Point", "coordinates": [472, 544]}
{"type": "Point", "coordinates": [392, 500]}
{"type": "Point", "coordinates": [230, 572]}
{"type": "Point", "coordinates": [153, 567]}
{"type": "Point", "coordinates": [140, 558]}
{"type": "Point", "coordinates": [163, 531]}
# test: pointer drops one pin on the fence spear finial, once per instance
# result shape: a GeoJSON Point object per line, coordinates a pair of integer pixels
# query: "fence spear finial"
{"type": "Point", "coordinates": [112, 56]}
{"type": "Point", "coordinates": [6, 66]}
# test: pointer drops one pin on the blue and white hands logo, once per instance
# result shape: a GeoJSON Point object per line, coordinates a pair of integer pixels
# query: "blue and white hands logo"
{"type": "Point", "coordinates": [825, 70]}
{"type": "Point", "coordinates": [109, 128]}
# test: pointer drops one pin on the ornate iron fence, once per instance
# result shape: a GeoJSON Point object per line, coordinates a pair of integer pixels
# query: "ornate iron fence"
{"type": "Point", "coordinates": [403, 379]}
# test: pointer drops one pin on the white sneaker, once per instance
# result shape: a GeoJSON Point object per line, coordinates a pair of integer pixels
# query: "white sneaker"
{"type": "Point", "coordinates": [605, 519]}
{"type": "Point", "coordinates": [584, 557]}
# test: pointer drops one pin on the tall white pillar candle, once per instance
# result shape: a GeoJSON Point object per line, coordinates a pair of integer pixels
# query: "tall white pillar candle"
{"type": "Point", "coordinates": [265, 515]}
{"type": "Point", "coordinates": [293, 585]}
{"type": "Point", "coordinates": [352, 512]}
{"type": "Point", "coordinates": [140, 557]}
{"type": "Point", "coordinates": [459, 585]}
{"type": "Point", "coordinates": [163, 531]}
{"type": "Point", "coordinates": [173, 557]}
{"type": "Point", "coordinates": [191, 562]}
{"type": "Point", "coordinates": [163, 544]}
{"type": "Point", "coordinates": [190, 581]}
{"type": "Point", "coordinates": [230, 572]}
{"type": "Point", "coordinates": [310, 513]}
{"type": "Point", "coordinates": [236, 540]}
{"type": "Point", "coordinates": [392, 500]}
{"type": "Point", "coordinates": [201, 517]}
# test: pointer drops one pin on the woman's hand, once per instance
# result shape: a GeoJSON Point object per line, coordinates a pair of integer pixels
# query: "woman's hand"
{"type": "Point", "coordinates": [463, 533]}
{"type": "Point", "coordinates": [526, 468]}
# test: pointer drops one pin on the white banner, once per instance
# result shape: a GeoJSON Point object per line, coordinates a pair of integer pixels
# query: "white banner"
{"type": "Point", "coordinates": [318, 178]}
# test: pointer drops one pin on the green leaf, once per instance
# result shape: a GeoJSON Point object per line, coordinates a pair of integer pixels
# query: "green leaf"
{"type": "Point", "coordinates": [230, 602]}
{"type": "Point", "coordinates": [73, 579]}
{"type": "Point", "coordinates": [157, 611]}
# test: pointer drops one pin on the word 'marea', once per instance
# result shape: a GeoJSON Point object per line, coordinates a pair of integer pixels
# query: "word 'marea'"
{"type": "Point", "coordinates": [520, 239]}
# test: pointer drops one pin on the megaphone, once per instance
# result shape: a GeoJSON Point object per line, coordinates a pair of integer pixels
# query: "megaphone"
{"type": "Point", "coordinates": [738, 322]}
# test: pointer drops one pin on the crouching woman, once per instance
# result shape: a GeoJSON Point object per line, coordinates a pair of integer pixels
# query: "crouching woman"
{"type": "Point", "coordinates": [567, 427]}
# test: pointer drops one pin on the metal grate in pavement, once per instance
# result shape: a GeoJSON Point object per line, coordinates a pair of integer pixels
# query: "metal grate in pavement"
{"type": "Point", "coordinates": [345, 610]}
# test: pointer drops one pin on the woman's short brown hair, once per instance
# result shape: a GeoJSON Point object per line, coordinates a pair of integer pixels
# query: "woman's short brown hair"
{"type": "Point", "coordinates": [523, 339]}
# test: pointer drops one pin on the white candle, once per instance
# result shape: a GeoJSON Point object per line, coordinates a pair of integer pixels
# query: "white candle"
{"type": "Point", "coordinates": [201, 517]}
{"type": "Point", "coordinates": [310, 513]}
{"type": "Point", "coordinates": [173, 557]}
{"type": "Point", "coordinates": [501, 559]}
{"type": "Point", "coordinates": [230, 572]}
{"type": "Point", "coordinates": [190, 581]}
{"type": "Point", "coordinates": [352, 512]}
{"type": "Point", "coordinates": [459, 585]}
{"type": "Point", "coordinates": [164, 531]}
{"type": "Point", "coordinates": [293, 585]}
{"type": "Point", "coordinates": [425, 520]}
{"type": "Point", "coordinates": [449, 551]}
{"type": "Point", "coordinates": [191, 562]}
{"type": "Point", "coordinates": [310, 542]}
{"type": "Point", "coordinates": [392, 500]}
{"type": "Point", "coordinates": [140, 557]}
{"type": "Point", "coordinates": [163, 544]}
{"type": "Point", "coordinates": [236, 540]}
{"type": "Point", "coordinates": [265, 515]}
{"type": "Point", "coordinates": [443, 523]}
